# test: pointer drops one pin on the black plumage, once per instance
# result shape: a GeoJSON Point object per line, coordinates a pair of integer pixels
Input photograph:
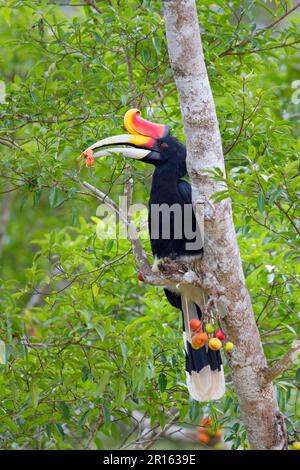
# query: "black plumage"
{"type": "Point", "coordinates": [169, 188]}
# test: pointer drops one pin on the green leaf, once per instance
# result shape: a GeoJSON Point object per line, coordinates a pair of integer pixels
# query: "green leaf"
{"type": "Point", "coordinates": [252, 151]}
{"type": "Point", "coordinates": [2, 352]}
{"type": "Point", "coordinates": [261, 202]}
{"type": "Point", "coordinates": [106, 415]}
{"type": "Point", "coordinates": [102, 384]}
{"type": "Point", "coordinates": [55, 197]}
{"type": "Point", "coordinates": [65, 410]}
{"type": "Point", "coordinates": [60, 430]}
{"type": "Point", "coordinates": [7, 13]}
{"type": "Point", "coordinates": [124, 353]}
{"type": "Point", "coordinates": [100, 331]}
{"type": "Point", "coordinates": [274, 195]}
{"type": "Point", "coordinates": [86, 373]}
{"type": "Point", "coordinates": [34, 393]}
{"type": "Point", "coordinates": [120, 391]}
{"type": "Point", "coordinates": [163, 382]}
{"type": "Point", "coordinates": [194, 410]}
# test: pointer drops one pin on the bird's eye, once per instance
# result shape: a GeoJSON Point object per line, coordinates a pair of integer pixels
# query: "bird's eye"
{"type": "Point", "coordinates": [163, 145]}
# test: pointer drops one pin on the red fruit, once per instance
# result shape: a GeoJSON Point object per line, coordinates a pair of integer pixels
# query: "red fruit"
{"type": "Point", "coordinates": [89, 162]}
{"type": "Point", "coordinates": [89, 157]}
{"type": "Point", "coordinates": [195, 324]}
{"type": "Point", "coordinates": [220, 335]}
{"type": "Point", "coordinates": [199, 340]}
{"type": "Point", "coordinates": [140, 277]}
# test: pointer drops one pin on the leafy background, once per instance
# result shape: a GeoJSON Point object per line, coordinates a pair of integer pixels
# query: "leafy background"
{"type": "Point", "coordinates": [91, 353]}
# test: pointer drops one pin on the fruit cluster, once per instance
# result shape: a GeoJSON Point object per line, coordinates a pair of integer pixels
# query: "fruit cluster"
{"type": "Point", "coordinates": [210, 336]}
{"type": "Point", "coordinates": [207, 435]}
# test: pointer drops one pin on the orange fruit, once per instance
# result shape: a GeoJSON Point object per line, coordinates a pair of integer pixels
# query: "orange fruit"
{"type": "Point", "coordinates": [219, 433]}
{"type": "Point", "coordinates": [199, 340]}
{"type": "Point", "coordinates": [195, 324]}
{"type": "Point", "coordinates": [203, 438]}
{"type": "Point", "coordinates": [215, 344]}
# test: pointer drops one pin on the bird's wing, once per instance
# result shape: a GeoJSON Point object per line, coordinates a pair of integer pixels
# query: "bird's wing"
{"type": "Point", "coordinates": [185, 191]}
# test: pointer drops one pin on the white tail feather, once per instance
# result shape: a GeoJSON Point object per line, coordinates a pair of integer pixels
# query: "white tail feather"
{"type": "Point", "coordinates": [207, 384]}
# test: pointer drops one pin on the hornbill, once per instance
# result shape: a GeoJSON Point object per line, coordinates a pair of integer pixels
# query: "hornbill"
{"type": "Point", "coordinates": [174, 235]}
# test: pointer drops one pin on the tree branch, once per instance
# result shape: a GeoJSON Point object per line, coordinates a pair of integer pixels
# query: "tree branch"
{"type": "Point", "coordinates": [246, 41]}
{"type": "Point", "coordinates": [282, 364]}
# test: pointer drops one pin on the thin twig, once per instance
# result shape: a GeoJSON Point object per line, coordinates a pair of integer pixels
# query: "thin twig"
{"type": "Point", "coordinates": [246, 41]}
{"type": "Point", "coordinates": [282, 364]}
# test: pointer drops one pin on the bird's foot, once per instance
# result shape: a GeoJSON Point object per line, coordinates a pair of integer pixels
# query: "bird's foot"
{"type": "Point", "coordinates": [168, 266]}
{"type": "Point", "coordinates": [158, 262]}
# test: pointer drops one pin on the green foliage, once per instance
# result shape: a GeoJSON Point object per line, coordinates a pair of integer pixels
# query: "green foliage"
{"type": "Point", "coordinates": [96, 347]}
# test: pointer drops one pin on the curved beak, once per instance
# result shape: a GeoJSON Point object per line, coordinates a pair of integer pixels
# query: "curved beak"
{"type": "Point", "coordinates": [136, 140]}
{"type": "Point", "coordinates": [126, 152]}
{"type": "Point", "coordinates": [142, 138]}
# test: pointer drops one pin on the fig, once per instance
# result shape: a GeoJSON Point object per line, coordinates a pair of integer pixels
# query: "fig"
{"type": "Point", "coordinates": [214, 344]}
{"type": "Point", "coordinates": [195, 324]}
{"type": "Point", "coordinates": [199, 340]}
{"type": "Point", "coordinates": [229, 346]}
{"type": "Point", "coordinates": [209, 328]}
{"type": "Point", "coordinates": [220, 335]}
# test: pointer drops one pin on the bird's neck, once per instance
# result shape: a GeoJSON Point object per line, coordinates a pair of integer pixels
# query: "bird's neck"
{"type": "Point", "coordinates": [165, 182]}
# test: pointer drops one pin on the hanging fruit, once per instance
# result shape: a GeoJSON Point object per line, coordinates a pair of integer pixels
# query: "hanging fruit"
{"type": "Point", "coordinates": [195, 325]}
{"type": "Point", "coordinates": [199, 340]}
{"type": "Point", "coordinates": [215, 344]}
{"type": "Point", "coordinates": [220, 335]}
{"type": "Point", "coordinates": [295, 445]}
{"type": "Point", "coordinates": [203, 437]}
{"type": "Point", "coordinates": [229, 346]}
{"type": "Point", "coordinates": [207, 434]}
{"type": "Point", "coordinates": [209, 328]}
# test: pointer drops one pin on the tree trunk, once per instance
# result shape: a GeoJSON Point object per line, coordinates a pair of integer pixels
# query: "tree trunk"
{"type": "Point", "coordinates": [221, 261]}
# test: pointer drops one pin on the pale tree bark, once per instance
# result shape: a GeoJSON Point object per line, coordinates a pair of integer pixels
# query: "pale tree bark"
{"type": "Point", "coordinates": [221, 264]}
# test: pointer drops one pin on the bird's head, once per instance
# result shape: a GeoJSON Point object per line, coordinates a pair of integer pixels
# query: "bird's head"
{"type": "Point", "coordinates": [146, 141]}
